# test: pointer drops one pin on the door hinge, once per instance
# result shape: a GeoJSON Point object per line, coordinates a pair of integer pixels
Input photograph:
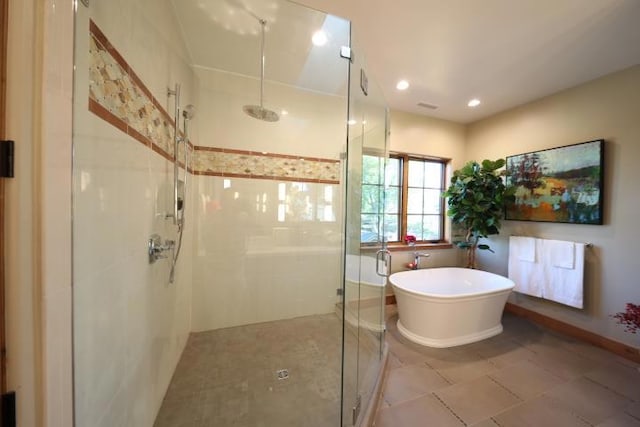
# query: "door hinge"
{"type": "Point", "coordinates": [356, 410]}
{"type": "Point", "coordinates": [6, 159]}
{"type": "Point", "coordinates": [339, 292]}
{"type": "Point", "coordinates": [346, 53]}
{"type": "Point", "coordinates": [8, 410]}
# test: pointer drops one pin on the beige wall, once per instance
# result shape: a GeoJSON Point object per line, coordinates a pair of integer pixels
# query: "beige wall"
{"type": "Point", "coordinates": [605, 108]}
{"type": "Point", "coordinates": [22, 294]}
{"type": "Point", "coordinates": [56, 217]}
{"type": "Point", "coordinates": [411, 133]}
{"type": "Point", "coordinates": [38, 222]}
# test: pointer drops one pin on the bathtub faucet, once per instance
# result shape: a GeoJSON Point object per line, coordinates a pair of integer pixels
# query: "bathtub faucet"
{"type": "Point", "coordinates": [416, 259]}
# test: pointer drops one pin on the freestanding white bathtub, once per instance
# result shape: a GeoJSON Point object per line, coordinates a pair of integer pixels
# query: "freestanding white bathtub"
{"type": "Point", "coordinates": [445, 307]}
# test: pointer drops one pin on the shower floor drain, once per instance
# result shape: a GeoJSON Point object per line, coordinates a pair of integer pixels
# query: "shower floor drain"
{"type": "Point", "coordinates": [282, 374]}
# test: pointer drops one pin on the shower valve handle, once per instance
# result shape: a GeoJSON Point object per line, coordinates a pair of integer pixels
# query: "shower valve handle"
{"type": "Point", "coordinates": [157, 250]}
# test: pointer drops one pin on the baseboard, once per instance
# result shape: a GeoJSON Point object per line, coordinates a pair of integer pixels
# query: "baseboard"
{"type": "Point", "coordinates": [615, 347]}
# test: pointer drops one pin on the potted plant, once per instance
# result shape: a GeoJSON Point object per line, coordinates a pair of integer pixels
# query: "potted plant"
{"type": "Point", "coordinates": [476, 200]}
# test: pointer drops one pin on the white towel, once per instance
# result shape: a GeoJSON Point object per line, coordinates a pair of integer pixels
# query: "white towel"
{"type": "Point", "coordinates": [523, 247]}
{"type": "Point", "coordinates": [562, 253]}
{"type": "Point", "coordinates": [562, 284]}
{"type": "Point", "coordinates": [528, 276]}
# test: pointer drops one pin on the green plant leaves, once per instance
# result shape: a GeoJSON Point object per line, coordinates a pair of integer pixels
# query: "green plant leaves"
{"type": "Point", "coordinates": [476, 199]}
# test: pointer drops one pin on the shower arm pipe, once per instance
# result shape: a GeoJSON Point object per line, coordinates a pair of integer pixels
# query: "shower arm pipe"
{"type": "Point", "coordinates": [262, 24]}
{"type": "Point", "coordinates": [176, 139]}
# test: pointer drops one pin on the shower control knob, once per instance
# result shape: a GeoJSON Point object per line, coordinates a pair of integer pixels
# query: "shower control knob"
{"type": "Point", "coordinates": [156, 249]}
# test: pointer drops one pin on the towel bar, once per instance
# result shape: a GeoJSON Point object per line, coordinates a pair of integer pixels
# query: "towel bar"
{"type": "Point", "coordinates": [586, 244]}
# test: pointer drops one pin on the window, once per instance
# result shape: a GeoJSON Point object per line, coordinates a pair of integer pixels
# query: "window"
{"type": "Point", "coordinates": [413, 202]}
{"type": "Point", "coordinates": [302, 202]}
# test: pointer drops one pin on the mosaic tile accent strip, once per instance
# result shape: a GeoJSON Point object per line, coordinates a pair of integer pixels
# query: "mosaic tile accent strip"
{"type": "Point", "coordinates": [118, 96]}
{"type": "Point", "coordinates": [250, 164]}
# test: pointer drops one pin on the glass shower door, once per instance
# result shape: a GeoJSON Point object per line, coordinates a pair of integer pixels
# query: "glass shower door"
{"type": "Point", "coordinates": [367, 261]}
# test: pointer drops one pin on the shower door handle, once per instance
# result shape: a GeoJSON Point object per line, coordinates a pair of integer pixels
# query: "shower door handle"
{"type": "Point", "coordinates": [384, 256]}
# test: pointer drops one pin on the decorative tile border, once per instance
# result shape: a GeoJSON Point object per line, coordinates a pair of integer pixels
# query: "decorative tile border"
{"type": "Point", "coordinates": [118, 96]}
{"type": "Point", "coordinates": [257, 165]}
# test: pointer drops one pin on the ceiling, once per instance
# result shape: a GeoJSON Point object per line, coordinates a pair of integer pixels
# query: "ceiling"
{"type": "Point", "coordinates": [226, 35]}
{"type": "Point", "coordinates": [503, 52]}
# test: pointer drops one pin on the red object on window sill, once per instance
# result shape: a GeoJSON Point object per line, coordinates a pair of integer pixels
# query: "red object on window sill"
{"type": "Point", "coordinates": [408, 239]}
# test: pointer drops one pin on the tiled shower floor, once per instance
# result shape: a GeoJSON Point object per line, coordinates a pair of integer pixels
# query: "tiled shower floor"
{"type": "Point", "coordinates": [527, 376]}
{"type": "Point", "coordinates": [227, 377]}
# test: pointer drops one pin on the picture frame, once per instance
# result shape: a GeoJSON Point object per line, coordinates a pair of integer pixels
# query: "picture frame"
{"type": "Point", "coordinates": [563, 184]}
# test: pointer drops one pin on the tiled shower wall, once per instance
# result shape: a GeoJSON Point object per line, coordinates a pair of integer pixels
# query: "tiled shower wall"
{"type": "Point", "coordinates": [267, 225]}
{"type": "Point", "coordinates": [130, 323]}
{"type": "Point", "coordinates": [265, 250]}
{"type": "Point", "coordinates": [269, 247]}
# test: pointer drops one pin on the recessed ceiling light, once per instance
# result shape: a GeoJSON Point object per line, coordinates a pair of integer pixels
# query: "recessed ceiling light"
{"type": "Point", "coordinates": [284, 112]}
{"type": "Point", "coordinates": [474, 102]}
{"type": "Point", "coordinates": [402, 85]}
{"type": "Point", "coordinates": [319, 38]}
{"type": "Point", "coordinates": [351, 122]}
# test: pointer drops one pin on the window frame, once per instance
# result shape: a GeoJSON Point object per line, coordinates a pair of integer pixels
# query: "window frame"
{"type": "Point", "coordinates": [405, 158]}
{"type": "Point", "coordinates": [403, 202]}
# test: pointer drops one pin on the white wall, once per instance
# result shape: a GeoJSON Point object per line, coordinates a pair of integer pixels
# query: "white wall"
{"type": "Point", "coordinates": [130, 323]}
{"type": "Point", "coordinates": [604, 108]}
{"type": "Point", "coordinates": [249, 267]}
{"type": "Point", "coordinates": [314, 125]}
{"type": "Point", "coordinates": [251, 264]}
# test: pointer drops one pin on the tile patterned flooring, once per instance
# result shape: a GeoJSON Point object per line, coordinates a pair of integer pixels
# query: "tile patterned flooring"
{"type": "Point", "coordinates": [227, 377]}
{"type": "Point", "coordinates": [526, 376]}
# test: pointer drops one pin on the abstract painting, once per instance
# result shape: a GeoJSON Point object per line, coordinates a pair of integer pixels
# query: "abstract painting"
{"type": "Point", "coordinates": [561, 184]}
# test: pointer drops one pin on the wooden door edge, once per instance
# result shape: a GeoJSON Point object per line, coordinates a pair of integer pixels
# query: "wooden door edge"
{"type": "Point", "coordinates": [4, 8]}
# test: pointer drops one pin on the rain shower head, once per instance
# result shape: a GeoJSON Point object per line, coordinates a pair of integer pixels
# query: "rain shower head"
{"type": "Point", "coordinates": [189, 112]}
{"type": "Point", "coordinates": [261, 113]}
{"type": "Point", "coordinates": [258, 111]}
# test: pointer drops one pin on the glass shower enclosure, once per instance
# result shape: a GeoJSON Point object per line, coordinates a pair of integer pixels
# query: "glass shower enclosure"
{"type": "Point", "coordinates": [367, 262]}
{"type": "Point", "coordinates": [274, 315]}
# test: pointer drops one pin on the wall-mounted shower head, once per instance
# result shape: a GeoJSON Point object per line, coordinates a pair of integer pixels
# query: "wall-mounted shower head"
{"type": "Point", "coordinates": [189, 112]}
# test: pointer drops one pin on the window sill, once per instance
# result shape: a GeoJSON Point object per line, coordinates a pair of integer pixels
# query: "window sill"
{"type": "Point", "coordinates": [400, 247]}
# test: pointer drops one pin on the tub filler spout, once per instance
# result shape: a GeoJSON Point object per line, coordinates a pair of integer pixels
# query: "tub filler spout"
{"type": "Point", "coordinates": [416, 260]}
